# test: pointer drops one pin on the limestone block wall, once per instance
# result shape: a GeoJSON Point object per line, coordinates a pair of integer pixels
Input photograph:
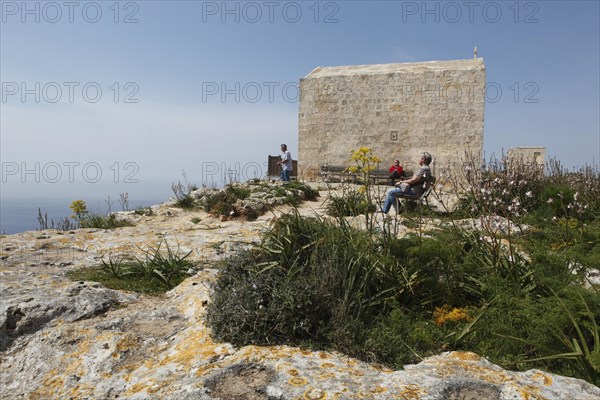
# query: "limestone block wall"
{"type": "Point", "coordinates": [527, 155]}
{"type": "Point", "coordinates": [399, 110]}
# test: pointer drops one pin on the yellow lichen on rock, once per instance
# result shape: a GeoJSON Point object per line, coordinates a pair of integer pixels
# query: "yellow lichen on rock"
{"type": "Point", "coordinates": [193, 345]}
{"type": "Point", "coordinates": [410, 392]}
{"type": "Point", "coordinates": [465, 356]}
{"type": "Point", "coordinates": [326, 376]}
{"type": "Point", "coordinates": [543, 378]}
{"type": "Point", "coordinates": [298, 381]}
{"type": "Point", "coordinates": [136, 388]}
{"type": "Point", "coordinates": [382, 368]}
{"type": "Point", "coordinates": [314, 394]}
{"type": "Point", "coordinates": [128, 342]}
{"type": "Point", "coordinates": [530, 392]}
{"type": "Point", "coordinates": [204, 369]}
{"type": "Point", "coordinates": [54, 381]}
{"type": "Point", "coordinates": [364, 395]}
{"type": "Point", "coordinates": [378, 389]}
{"type": "Point", "coordinates": [51, 386]}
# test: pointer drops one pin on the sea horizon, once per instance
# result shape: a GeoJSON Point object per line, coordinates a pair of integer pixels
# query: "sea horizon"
{"type": "Point", "coordinates": [20, 214]}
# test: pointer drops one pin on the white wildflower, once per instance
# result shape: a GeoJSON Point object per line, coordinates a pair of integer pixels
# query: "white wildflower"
{"type": "Point", "coordinates": [529, 194]}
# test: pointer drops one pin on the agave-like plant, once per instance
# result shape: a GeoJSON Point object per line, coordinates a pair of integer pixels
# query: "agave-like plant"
{"type": "Point", "coordinates": [165, 267]}
{"type": "Point", "coordinates": [587, 356]}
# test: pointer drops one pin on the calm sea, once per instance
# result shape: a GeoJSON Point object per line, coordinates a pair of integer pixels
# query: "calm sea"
{"type": "Point", "coordinates": [19, 215]}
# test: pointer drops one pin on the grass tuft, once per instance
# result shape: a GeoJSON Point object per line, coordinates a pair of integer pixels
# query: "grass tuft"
{"type": "Point", "coordinates": [154, 273]}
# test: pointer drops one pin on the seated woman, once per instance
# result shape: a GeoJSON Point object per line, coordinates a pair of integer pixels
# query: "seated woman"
{"type": "Point", "coordinates": [396, 172]}
{"type": "Point", "coordinates": [413, 186]}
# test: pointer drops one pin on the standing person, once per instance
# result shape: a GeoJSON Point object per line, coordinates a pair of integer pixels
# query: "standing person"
{"type": "Point", "coordinates": [286, 163]}
{"type": "Point", "coordinates": [414, 185]}
{"type": "Point", "coordinates": [396, 172]}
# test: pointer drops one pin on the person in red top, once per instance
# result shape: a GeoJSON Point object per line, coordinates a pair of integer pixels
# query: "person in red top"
{"type": "Point", "coordinates": [396, 172]}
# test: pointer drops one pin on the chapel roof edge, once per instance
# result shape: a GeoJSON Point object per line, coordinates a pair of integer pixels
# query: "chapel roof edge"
{"type": "Point", "coordinates": [373, 69]}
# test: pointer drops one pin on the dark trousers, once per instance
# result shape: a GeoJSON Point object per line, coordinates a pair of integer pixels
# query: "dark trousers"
{"type": "Point", "coordinates": [393, 176]}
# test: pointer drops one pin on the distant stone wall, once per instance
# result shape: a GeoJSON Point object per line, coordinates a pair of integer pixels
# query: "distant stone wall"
{"type": "Point", "coordinates": [399, 110]}
{"type": "Point", "coordinates": [527, 155]}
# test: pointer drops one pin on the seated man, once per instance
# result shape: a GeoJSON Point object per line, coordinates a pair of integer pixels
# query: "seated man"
{"type": "Point", "coordinates": [412, 186]}
{"type": "Point", "coordinates": [396, 172]}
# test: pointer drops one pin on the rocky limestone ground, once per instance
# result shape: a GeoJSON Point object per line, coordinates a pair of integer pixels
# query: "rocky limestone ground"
{"type": "Point", "coordinates": [61, 339]}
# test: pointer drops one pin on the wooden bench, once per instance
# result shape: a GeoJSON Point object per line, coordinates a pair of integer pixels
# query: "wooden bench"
{"type": "Point", "coordinates": [382, 177]}
{"type": "Point", "coordinates": [337, 173]}
{"type": "Point", "coordinates": [416, 199]}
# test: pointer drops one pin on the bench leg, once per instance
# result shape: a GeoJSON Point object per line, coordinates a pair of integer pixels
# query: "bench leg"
{"type": "Point", "coordinates": [408, 205]}
{"type": "Point", "coordinates": [398, 206]}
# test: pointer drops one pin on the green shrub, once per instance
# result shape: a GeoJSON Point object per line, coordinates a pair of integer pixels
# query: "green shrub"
{"type": "Point", "coordinates": [252, 215]}
{"type": "Point", "coordinates": [318, 282]}
{"type": "Point", "coordinates": [310, 193]}
{"type": "Point", "coordinates": [185, 201]}
{"type": "Point", "coordinates": [99, 221]}
{"type": "Point", "coordinates": [399, 338]}
{"type": "Point", "coordinates": [63, 224]}
{"type": "Point", "coordinates": [351, 203]}
{"type": "Point", "coordinates": [183, 193]}
{"type": "Point", "coordinates": [234, 192]}
{"type": "Point", "coordinates": [513, 296]}
{"type": "Point", "coordinates": [323, 284]}
{"type": "Point", "coordinates": [210, 201]}
{"type": "Point", "coordinates": [224, 202]}
{"type": "Point", "coordinates": [297, 285]}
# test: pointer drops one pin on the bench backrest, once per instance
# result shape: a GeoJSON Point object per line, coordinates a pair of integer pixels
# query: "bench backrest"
{"type": "Point", "coordinates": [428, 185]}
{"type": "Point", "coordinates": [427, 188]}
{"type": "Point", "coordinates": [330, 168]}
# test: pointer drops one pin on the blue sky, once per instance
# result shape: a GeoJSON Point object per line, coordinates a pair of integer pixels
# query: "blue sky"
{"type": "Point", "coordinates": [131, 93]}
